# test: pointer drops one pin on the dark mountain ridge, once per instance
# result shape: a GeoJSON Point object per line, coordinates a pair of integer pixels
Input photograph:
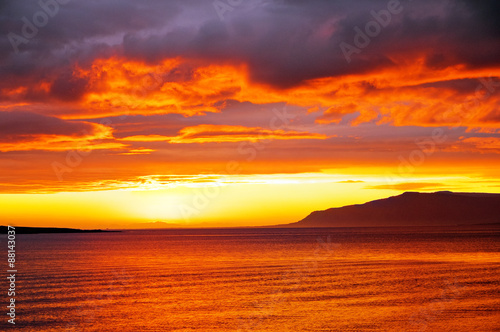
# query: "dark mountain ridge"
{"type": "Point", "coordinates": [441, 208]}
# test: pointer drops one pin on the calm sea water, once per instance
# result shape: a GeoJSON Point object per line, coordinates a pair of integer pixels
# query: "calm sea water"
{"type": "Point", "coordinates": [259, 280]}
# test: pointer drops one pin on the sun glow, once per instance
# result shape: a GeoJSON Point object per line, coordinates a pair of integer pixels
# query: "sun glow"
{"type": "Point", "coordinates": [220, 200]}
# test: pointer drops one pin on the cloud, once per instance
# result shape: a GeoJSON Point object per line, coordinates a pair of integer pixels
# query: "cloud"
{"type": "Point", "coordinates": [409, 186]}
{"type": "Point", "coordinates": [137, 151]}
{"type": "Point", "coordinates": [299, 41]}
{"type": "Point", "coordinates": [351, 181]}
{"type": "Point", "coordinates": [22, 131]}
{"type": "Point", "coordinates": [24, 124]}
{"type": "Point", "coordinates": [170, 73]}
{"type": "Point", "coordinates": [478, 144]}
{"type": "Point", "coordinates": [281, 43]}
{"type": "Point", "coordinates": [222, 133]}
{"type": "Point", "coordinates": [117, 86]}
{"type": "Point", "coordinates": [179, 57]}
{"type": "Point", "coordinates": [67, 87]}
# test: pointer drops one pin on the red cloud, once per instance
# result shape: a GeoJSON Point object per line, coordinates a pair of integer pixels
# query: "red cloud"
{"type": "Point", "coordinates": [222, 133]}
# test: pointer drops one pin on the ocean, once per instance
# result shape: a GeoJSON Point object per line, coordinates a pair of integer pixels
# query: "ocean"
{"type": "Point", "coordinates": [330, 279]}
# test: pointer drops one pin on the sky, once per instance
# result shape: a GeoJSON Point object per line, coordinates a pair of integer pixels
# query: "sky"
{"type": "Point", "coordinates": [129, 114]}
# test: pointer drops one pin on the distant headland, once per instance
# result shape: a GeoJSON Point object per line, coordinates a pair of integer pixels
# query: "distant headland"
{"type": "Point", "coordinates": [46, 230]}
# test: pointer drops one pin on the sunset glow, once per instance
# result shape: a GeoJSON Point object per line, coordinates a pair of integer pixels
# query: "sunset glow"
{"type": "Point", "coordinates": [128, 122]}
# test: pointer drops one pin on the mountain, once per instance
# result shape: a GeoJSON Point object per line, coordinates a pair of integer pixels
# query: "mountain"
{"type": "Point", "coordinates": [442, 208]}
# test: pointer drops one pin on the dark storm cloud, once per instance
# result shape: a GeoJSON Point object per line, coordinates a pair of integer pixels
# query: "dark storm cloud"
{"type": "Point", "coordinates": [66, 87]}
{"type": "Point", "coordinates": [488, 14]}
{"type": "Point", "coordinates": [21, 125]}
{"type": "Point", "coordinates": [74, 21]}
{"type": "Point", "coordinates": [288, 43]}
{"type": "Point", "coordinates": [283, 42]}
{"type": "Point", "coordinates": [235, 113]}
{"type": "Point", "coordinates": [280, 43]}
{"type": "Point", "coordinates": [463, 86]}
{"type": "Point", "coordinates": [75, 33]}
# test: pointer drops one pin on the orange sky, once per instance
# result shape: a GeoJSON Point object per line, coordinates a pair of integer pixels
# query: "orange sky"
{"type": "Point", "coordinates": [192, 120]}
